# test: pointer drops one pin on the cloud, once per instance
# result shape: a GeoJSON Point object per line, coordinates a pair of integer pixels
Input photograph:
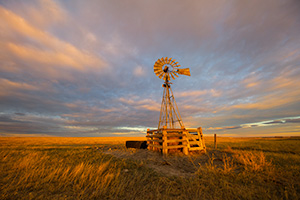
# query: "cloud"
{"type": "Point", "coordinates": [223, 128]}
{"type": "Point", "coordinates": [261, 127]}
{"type": "Point", "coordinates": [41, 13]}
{"type": "Point", "coordinates": [138, 71]}
{"type": "Point", "coordinates": [21, 114]}
{"type": "Point", "coordinates": [29, 124]}
{"type": "Point", "coordinates": [43, 49]}
{"type": "Point", "coordinates": [275, 122]}
{"type": "Point", "coordinates": [266, 93]}
{"type": "Point", "coordinates": [144, 104]}
{"type": "Point", "coordinates": [197, 93]}
{"type": "Point", "coordinates": [87, 68]}
{"type": "Point", "coordinates": [293, 120]}
{"type": "Point", "coordinates": [47, 8]}
{"type": "Point", "coordinates": [7, 85]}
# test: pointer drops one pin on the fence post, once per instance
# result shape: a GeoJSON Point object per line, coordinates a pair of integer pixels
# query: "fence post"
{"type": "Point", "coordinates": [185, 143]}
{"type": "Point", "coordinates": [215, 141]}
{"type": "Point", "coordinates": [165, 138]}
{"type": "Point", "coordinates": [148, 140]}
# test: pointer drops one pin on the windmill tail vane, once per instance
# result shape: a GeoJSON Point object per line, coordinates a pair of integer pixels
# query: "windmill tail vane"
{"type": "Point", "coordinates": [185, 71]}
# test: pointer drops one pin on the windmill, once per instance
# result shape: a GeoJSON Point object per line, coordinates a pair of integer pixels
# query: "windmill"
{"type": "Point", "coordinates": [167, 68]}
{"type": "Point", "coordinates": [171, 135]}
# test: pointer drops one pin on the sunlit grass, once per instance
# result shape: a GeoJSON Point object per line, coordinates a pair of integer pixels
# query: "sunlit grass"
{"type": "Point", "coordinates": [78, 168]}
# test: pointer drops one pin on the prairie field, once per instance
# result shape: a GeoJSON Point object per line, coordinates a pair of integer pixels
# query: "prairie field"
{"type": "Point", "coordinates": [102, 168]}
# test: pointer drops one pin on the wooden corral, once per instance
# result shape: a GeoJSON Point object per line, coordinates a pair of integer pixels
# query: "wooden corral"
{"type": "Point", "coordinates": [168, 140]}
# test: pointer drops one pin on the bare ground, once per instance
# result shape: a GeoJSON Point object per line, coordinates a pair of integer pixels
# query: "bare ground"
{"type": "Point", "coordinates": [170, 165]}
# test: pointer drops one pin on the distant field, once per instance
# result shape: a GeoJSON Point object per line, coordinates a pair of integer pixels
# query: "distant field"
{"type": "Point", "coordinates": [102, 168]}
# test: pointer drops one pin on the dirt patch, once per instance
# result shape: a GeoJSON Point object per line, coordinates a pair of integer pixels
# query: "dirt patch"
{"type": "Point", "coordinates": [170, 165]}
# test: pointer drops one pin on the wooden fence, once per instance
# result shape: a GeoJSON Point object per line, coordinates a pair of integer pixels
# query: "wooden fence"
{"type": "Point", "coordinates": [176, 140]}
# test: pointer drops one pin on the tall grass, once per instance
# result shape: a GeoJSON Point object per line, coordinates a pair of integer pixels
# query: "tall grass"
{"type": "Point", "coordinates": [37, 169]}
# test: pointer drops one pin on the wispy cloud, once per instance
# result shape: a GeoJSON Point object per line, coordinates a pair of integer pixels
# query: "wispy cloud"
{"type": "Point", "coordinates": [35, 48]}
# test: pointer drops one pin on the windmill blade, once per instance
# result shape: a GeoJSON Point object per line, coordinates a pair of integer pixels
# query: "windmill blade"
{"type": "Point", "coordinates": [166, 60]}
{"type": "Point", "coordinates": [157, 72]}
{"type": "Point", "coordinates": [157, 67]}
{"type": "Point", "coordinates": [157, 64]}
{"type": "Point", "coordinates": [172, 76]}
{"type": "Point", "coordinates": [161, 75]}
{"type": "Point", "coordinates": [185, 71]}
{"type": "Point", "coordinates": [169, 61]}
{"type": "Point", "coordinates": [175, 74]}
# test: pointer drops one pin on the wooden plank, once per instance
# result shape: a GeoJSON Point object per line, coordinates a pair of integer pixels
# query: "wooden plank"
{"type": "Point", "coordinates": [157, 135]}
{"type": "Point", "coordinates": [165, 150]}
{"type": "Point", "coordinates": [150, 135]}
{"type": "Point", "coordinates": [200, 133]}
{"type": "Point", "coordinates": [155, 140]}
{"type": "Point", "coordinates": [191, 129]}
{"type": "Point", "coordinates": [155, 145]}
{"type": "Point", "coordinates": [174, 135]}
{"type": "Point", "coordinates": [194, 142]}
{"type": "Point", "coordinates": [174, 129]}
{"type": "Point", "coordinates": [185, 149]}
{"type": "Point", "coordinates": [176, 140]}
{"type": "Point", "coordinates": [193, 137]}
{"type": "Point", "coordinates": [176, 146]}
{"type": "Point", "coordinates": [195, 148]}
{"type": "Point", "coordinates": [151, 131]}
{"type": "Point", "coordinates": [148, 142]}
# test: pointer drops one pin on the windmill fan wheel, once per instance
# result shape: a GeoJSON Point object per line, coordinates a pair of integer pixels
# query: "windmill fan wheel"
{"type": "Point", "coordinates": [167, 68]}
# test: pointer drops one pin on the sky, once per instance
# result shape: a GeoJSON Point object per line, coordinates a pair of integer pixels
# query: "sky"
{"type": "Point", "coordinates": [85, 68]}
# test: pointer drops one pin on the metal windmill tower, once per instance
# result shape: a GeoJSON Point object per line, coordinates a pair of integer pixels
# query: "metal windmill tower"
{"type": "Point", "coordinates": [167, 68]}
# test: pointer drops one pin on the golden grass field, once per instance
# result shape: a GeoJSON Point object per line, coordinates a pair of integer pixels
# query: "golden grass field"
{"type": "Point", "coordinates": [102, 168]}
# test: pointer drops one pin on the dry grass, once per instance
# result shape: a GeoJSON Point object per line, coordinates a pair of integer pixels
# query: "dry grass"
{"type": "Point", "coordinates": [64, 141]}
{"type": "Point", "coordinates": [80, 168]}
